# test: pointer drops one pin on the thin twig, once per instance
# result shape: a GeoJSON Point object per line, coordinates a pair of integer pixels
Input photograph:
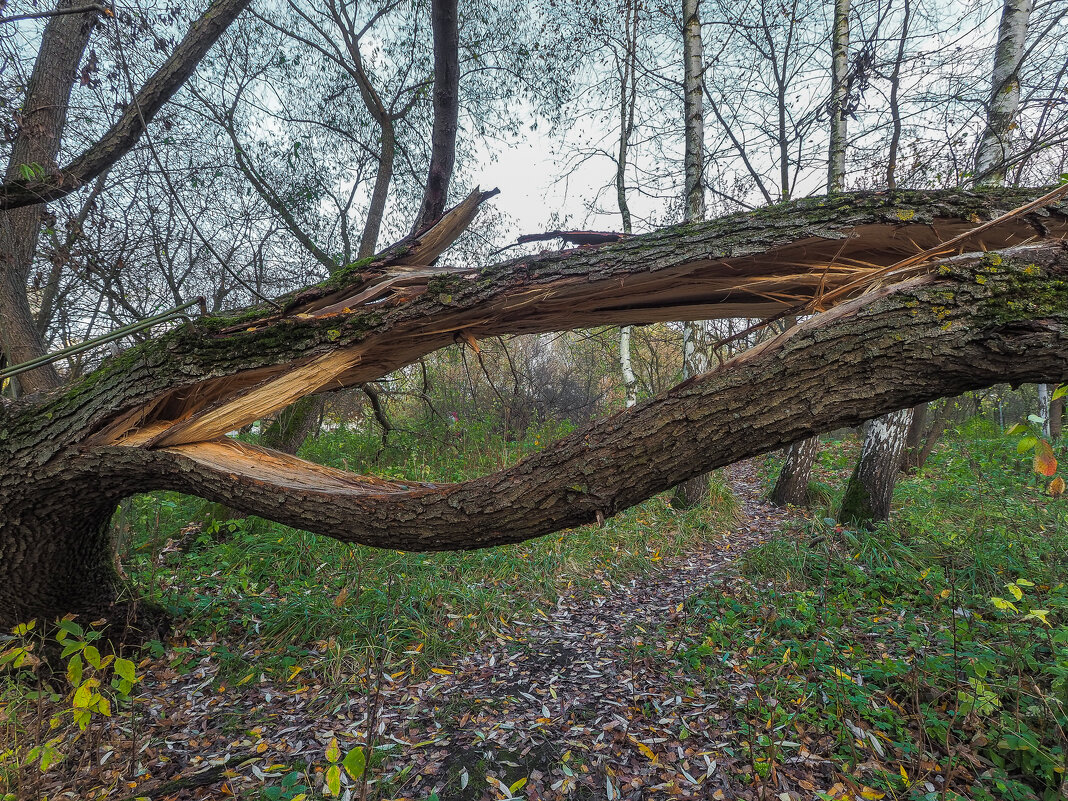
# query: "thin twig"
{"type": "Point", "coordinates": [170, 185]}
{"type": "Point", "coordinates": [59, 12]}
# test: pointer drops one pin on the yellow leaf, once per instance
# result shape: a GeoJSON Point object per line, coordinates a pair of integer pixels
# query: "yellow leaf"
{"type": "Point", "coordinates": [1056, 487]}
{"type": "Point", "coordinates": [333, 753]}
{"type": "Point", "coordinates": [786, 656]}
{"type": "Point", "coordinates": [1038, 614]}
{"type": "Point", "coordinates": [647, 752]}
{"type": "Point", "coordinates": [333, 780]}
{"type": "Point", "coordinates": [1017, 593]}
{"type": "Point", "coordinates": [904, 775]}
{"type": "Point", "coordinates": [842, 674]}
{"type": "Point", "coordinates": [871, 793]}
{"type": "Point", "coordinates": [441, 671]}
{"type": "Point", "coordinates": [1002, 604]}
{"type": "Point", "coordinates": [517, 786]}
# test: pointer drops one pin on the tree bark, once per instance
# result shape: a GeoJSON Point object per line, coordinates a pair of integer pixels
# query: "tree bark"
{"type": "Point", "coordinates": [1043, 407]}
{"type": "Point", "coordinates": [791, 488]}
{"type": "Point", "coordinates": [155, 417]}
{"type": "Point", "coordinates": [693, 56]}
{"type": "Point", "coordinates": [839, 96]}
{"type": "Point", "coordinates": [871, 487]}
{"type": "Point", "coordinates": [895, 104]}
{"type": "Point", "coordinates": [1056, 418]}
{"type": "Point", "coordinates": [445, 22]}
{"type": "Point", "coordinates": [693, 492]}
{"type": "Point", "coordinates": [630, 381]}
{"type": "Point", "coordinates": [992, 155]}
{"type": "Point", "coordinates": [35, 150]}
{"type": "Point", "coordinates": [914, 439]}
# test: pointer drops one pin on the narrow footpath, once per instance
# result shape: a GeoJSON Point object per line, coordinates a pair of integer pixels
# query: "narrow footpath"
{"type": "Point", "coordinates": [589, 702]}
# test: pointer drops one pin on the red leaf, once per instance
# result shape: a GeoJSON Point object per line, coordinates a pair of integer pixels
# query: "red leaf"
{"type": "Point", "coordinates": [1045, 462]}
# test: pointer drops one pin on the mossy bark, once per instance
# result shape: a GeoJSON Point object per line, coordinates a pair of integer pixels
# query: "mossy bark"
{"type": "Point", "coordinates": [870, 490]}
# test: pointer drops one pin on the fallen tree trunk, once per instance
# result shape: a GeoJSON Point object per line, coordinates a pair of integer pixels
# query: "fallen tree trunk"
{"type": "Point", "coordinates": [156, 416]}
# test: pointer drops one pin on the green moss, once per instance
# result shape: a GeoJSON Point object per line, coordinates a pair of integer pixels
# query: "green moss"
{"type": "Point", "coordinates": [857, 509]}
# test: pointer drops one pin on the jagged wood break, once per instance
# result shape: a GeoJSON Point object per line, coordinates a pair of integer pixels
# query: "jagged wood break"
{"type": "Point", "coordinates": [156, 416]}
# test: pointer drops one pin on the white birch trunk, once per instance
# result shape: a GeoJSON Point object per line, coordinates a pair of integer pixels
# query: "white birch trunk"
{"type": "Point", "coordinates": [692, 492]}
{"type": "Point", "coordinates": [839, 96]}
{"type": "Point", "coordinates": [871, 487]}
{"type": "Point", "coordinates": [630, 381]}
{"type": "Point", "coordinates": [1043, 408]}
{"type": "Point", "coordinates": [1004, 99]}
{"type": "Point", "coordinates": [628, 96]}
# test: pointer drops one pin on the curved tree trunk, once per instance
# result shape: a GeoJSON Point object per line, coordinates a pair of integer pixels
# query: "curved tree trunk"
{"type": "Point", "coordinates": [792, 485]}
{"type": "Point", "coordinates": [155, 417]}
{"type": "Point", "coordinates": [871, 487]}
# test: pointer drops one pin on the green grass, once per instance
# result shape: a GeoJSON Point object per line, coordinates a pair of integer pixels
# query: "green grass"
{"type": "Point", "coordinates": [302, 596]}
{"type": "Point", "coordinates": [934, 646]}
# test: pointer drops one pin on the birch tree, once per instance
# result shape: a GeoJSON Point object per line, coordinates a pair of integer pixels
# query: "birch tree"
{"type": "Point", "coordinates": [694, 358]}
{"type": "Point", "coordinates": [991, 157]}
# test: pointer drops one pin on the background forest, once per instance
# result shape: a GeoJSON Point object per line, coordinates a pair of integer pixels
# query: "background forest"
{"type": "Point", "coordinates": [894, 625]}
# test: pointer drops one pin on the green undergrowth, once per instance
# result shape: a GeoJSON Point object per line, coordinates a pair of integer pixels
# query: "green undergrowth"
{"type": "Point", "coordinates": [308, 600]}
{"type": "Point", "coordinates": [934, 646]}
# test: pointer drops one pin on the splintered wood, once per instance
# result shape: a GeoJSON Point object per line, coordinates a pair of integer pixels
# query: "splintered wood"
{"type": "Point", "coordinates": [675, 274]}
{"type": "Point", "coordinates": [281, 470]}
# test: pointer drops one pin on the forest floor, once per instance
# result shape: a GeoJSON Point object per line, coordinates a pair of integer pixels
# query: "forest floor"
{"type": "Point", "coordinates": [696, 656]}
{"type": "Point", "coordinates": [585, 700]}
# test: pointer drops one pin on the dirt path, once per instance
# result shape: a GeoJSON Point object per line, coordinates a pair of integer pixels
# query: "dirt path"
{"type": "Point", "coordinates": [587, 702]}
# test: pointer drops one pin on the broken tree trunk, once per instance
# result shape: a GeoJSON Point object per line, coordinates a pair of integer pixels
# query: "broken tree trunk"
{"type": "Point", "coordinates": [156, 416]}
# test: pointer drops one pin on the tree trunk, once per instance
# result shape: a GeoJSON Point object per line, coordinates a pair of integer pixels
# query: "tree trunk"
{"type": "Point", "coordinates": [630, 381]}
{"type": "Point", "coordinates": [34, 152]}
{"type": "Point", "coordinates": [839, 96]}
{"type": "Point", "coordinates": [895, 103]}
{"type": "Point", "coordinates": [1043, 408]}
{"type": "Point", "coordinates": [1056, 417]}
{"type": "Point", "coordinates": [376, 210]}
{"type": "Point", "coordinates": [791, 488]}
{"type": "Point", "coordinates": [445, 21]}
{"type": "Point", "coordinates": [155, 416]}
{"type": "Point", "coordinates": [693, 492]}
{"type": "Point", "coordinates": [914, 439]}
{"type": "Point", "coordinates": [121, 137]}
{"type": "Point", "coordinates": [694, 124]}
{"type": "Point", "coordinates": [992, 156]}
{"type": "Point", "coordinates": [871, 487]}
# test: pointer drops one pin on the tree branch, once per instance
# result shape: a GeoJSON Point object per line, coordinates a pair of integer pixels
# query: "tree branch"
{"type": "Point", "coordinates": [123, 135]}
